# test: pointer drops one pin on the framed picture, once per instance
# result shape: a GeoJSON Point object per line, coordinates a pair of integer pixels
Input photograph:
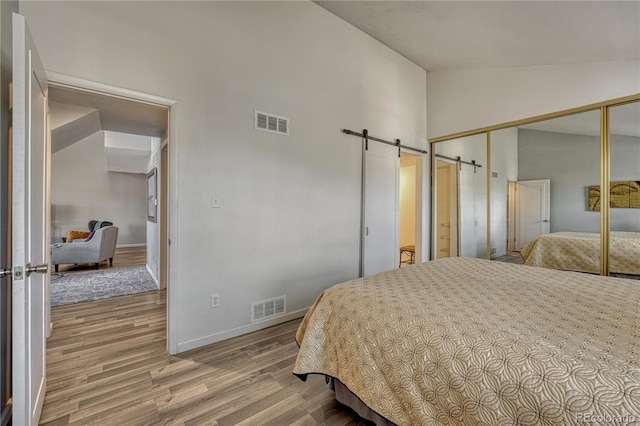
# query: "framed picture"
{"type": "Point", "coordinates": [152, 196]}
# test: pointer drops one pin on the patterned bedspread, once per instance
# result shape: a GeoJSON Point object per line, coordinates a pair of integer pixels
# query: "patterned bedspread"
{"type": "Point", "coordinates": [471, 341]}
{"type": "Point", "coordinates": [580, 251]}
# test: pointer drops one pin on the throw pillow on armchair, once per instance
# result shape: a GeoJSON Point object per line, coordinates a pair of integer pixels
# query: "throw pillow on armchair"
{"type": "Point", "coordinates": [77, 235]}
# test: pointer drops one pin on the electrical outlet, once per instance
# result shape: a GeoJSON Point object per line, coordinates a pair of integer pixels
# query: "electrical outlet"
{"type": "Point", "coordinates": [215, 300]}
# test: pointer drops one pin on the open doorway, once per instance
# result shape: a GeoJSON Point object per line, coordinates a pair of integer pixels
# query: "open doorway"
{"type": "Point", "coordinates": [107, 167]}
{"type": "Point", "coordinates": [409, 208]}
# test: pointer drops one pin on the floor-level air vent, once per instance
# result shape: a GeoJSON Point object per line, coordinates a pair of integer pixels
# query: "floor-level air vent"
{"type": "Point", "coordinates": [271, 123]}
{"type": "Point", "coordinates": [268, 308]}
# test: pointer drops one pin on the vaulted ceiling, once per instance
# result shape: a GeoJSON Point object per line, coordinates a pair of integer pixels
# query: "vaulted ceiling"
{"type": "Point", "coordinates": [444, 35]}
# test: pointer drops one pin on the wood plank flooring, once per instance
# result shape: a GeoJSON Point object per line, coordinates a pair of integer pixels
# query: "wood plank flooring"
{"type": "Point", "coordinates": [107, 364]}
{"type": "Point", "coordinates": [124, 256]}
{"type": "Point", "coordinates": [511, 257]}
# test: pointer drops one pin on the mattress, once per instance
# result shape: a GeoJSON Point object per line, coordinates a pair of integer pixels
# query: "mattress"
{"type": "Point", "coordinates": [580, 251]}
{"type": "Point", "coordinates": [471, 341]}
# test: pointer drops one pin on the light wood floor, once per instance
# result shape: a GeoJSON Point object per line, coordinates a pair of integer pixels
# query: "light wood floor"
{"type": "Point", "coordinates": [107, 365]}
{"type": "Point", "coordinates": [511, 257]}
{"type": "Point", "coordinates": [124, 256]}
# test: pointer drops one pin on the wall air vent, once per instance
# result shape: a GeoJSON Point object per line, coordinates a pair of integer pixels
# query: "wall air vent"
{"type": "Point", "coordinates": [494, 175]}
{"type": "Point", "coordinates": [271, 123]}
{"type": "Point", "coordinates": [268, 308]}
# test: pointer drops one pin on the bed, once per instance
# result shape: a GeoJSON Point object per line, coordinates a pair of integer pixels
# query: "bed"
{"type": "Point", "coordinates": [471, 341]}
{"type": "Point", "coordinates": [580, 251]}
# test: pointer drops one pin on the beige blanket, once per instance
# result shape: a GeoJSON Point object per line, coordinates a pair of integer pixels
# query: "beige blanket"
{"type": "Point", "coordinates": [580, 251]}
{"type": "Point", "coordinates": [470, 341]}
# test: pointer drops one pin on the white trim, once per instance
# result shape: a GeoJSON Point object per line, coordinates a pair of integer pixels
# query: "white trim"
{"type": "Point", "coordinates": [131, 245]}
{"type": "Point", "coordinates": [173, 105]}
{"type": "Point", "coordinates": [64, 80]}
{"type": "Point", "coordinates": [238, 331]}
{"type": "Point", "coordinates": [153, 277]}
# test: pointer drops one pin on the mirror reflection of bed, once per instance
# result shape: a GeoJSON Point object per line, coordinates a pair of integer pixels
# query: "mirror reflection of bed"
{"type": "Point", "coordinates": [459, 331]}
{"type": "Point", "coordinates": [543, 177]}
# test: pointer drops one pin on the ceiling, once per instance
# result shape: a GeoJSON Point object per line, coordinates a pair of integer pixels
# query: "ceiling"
{"type": "Point", "coordinates": [115, 114]}
{"type": "Point", "coordinates": [78, 114]}
{"type": "Point", "coordinates": [444, 35]}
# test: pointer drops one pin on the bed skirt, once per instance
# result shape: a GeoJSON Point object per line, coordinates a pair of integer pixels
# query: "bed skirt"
{"type": "Point", "coordinates": [348, 398]}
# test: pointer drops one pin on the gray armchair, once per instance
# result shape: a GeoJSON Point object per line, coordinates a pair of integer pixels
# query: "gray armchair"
{"type": "Point", "coordinates": [101, 246]}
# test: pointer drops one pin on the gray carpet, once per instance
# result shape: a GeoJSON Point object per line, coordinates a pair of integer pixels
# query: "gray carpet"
{"type": "Point", "coordinates": [100, 284]}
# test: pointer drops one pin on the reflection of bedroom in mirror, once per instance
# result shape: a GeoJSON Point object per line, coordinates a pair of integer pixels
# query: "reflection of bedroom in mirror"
{"type": "Point", "coordinates": [624, 240]}
{"type": "Point", "coordinates": [446, 231]}
{"type": "Point", "coordinates": [541, 191]}
{"type": "Point", "coordinates": [557, 161]}
{"type": "Point", "coordinates": [460, 197]}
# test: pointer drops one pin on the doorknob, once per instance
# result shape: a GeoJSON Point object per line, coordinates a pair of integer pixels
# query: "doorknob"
{"type": "Point", "coordinates": [40, 269]}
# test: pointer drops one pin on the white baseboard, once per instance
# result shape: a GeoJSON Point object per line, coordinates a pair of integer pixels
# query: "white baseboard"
{"type": "Point", "coordinates": [234, 332]}
{"type": "Point", "coordinates": [131, 245]}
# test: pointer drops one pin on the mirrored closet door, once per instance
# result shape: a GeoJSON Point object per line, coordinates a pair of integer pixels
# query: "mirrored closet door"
{"type": "Point", "coordinates": [460, 197]}
{"type": "Point", "coordinates": [624, 213]}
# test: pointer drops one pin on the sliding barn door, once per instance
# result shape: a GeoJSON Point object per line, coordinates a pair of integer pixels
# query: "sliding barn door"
{"type": "Point", "coordinates": [381, 195]}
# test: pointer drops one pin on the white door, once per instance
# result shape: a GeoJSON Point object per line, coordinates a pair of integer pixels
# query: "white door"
{"type": "Point", "coordinates": [532, 210]}
{"type": "Point", "coordinates": [30, 239]}
{"type": "Point", "coordinates": [468, 221]}
{"type": "Point", "coordinates": [380, 233]}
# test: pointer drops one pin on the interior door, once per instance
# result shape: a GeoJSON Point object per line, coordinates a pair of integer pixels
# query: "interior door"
{"type": "Point", "coordinates": [30, 218]}
{"type": "Point", "coordinates": [532, 210]}
{"type": "Point", "coordinates": [380, 233]}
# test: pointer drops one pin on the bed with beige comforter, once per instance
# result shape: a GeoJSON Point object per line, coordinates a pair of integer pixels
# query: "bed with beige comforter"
{"type": "Point", "coordinates": [580, 251]}
{"type": "Point", "coordinates": [470, 341]}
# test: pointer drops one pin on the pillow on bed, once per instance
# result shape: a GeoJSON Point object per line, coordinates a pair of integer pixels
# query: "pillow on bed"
{"type": "Point", "coordinates": [77, 235]}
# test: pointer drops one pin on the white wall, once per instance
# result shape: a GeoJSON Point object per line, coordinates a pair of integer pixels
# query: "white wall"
{"type": "Point", "coordinates": [625, 165]}
{"type": "Point", "coordinates": [504, 161]}
{"type": "Point", "coordinates": [82, 189]}
{"type": "Point", "coordinates": [469, 99]}
{"type": "Point", "coordinates": [572, 162]}
{"type": "Point", "coordinates": [290, 206]}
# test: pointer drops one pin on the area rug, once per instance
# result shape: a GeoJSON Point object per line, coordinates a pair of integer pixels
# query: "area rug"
{"type": "Point", "coordinates": [94, 285]}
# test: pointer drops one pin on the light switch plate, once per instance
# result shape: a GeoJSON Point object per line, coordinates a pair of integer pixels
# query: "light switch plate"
{"type": "Point", "coordinates": [215, 202]}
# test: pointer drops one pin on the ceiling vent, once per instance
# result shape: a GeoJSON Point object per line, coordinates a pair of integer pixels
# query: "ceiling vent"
{"type": "Point", "coordinates": [268, 308]}
{"type": "Point", "coordinates": [271, 123]}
